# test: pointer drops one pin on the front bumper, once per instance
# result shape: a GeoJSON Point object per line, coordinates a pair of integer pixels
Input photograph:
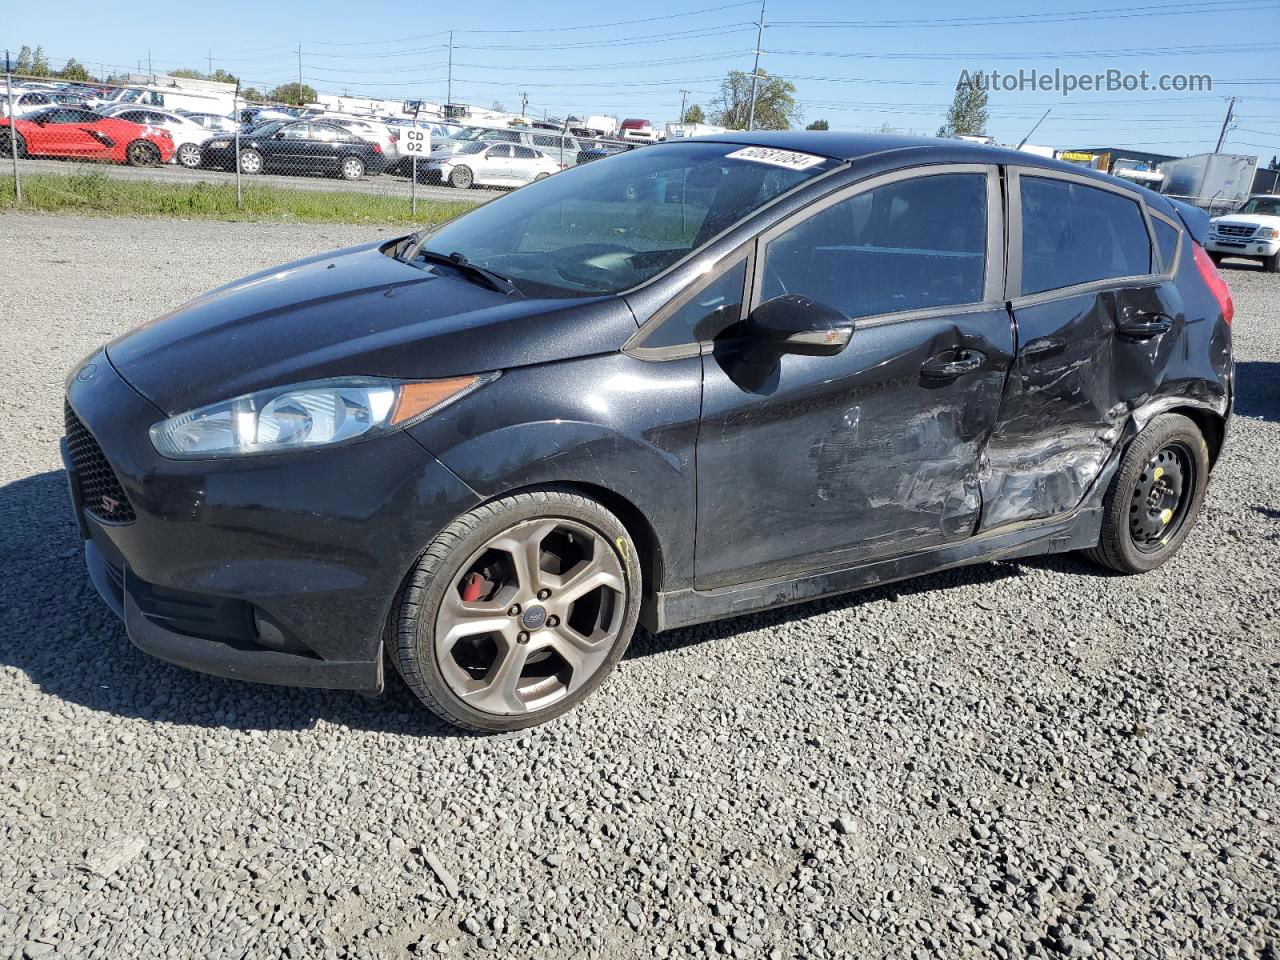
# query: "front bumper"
{"type": "Point", "coordinates": [279, 569]}
{"type": "Point", "coordinates": [1236, 247]}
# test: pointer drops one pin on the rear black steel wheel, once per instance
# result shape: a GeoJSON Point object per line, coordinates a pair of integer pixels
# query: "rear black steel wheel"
{"type": "Point", "coordinates": [1155, 497]}
{"type": "Point", "coordinates": [142, 153]}
{"type": "Point", "coordinates": [517, 611]}
{"type": "Point", "coordinates": [7, 140]}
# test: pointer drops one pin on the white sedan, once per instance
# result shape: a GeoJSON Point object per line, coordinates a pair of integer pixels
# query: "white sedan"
{"type": "Point", "coordinates": [188, 136]}
{"type": "Point", "coordinates": [490, 165]}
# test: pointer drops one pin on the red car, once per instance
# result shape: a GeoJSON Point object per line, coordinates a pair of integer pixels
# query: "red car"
{"type": "Point", "coordinates": [74, 133]}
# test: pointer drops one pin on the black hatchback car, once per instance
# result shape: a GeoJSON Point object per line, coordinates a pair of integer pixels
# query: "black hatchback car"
{"type": "Point", "coordinates": [683, 383]}
{"type": "Point", "coordinates": [296, 147]}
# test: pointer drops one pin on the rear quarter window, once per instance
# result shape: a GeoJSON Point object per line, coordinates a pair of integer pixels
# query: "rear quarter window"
{"type": "Point", "coordinates": [1167, 240]}
{"type": "Point", "coordinates": [1073, 234]}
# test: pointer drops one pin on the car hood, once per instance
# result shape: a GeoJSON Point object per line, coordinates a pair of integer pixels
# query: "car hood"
{"type": "Point", "coordinates": [353, 312]}
{"type": "Point", "coordinates": [1247, 220]}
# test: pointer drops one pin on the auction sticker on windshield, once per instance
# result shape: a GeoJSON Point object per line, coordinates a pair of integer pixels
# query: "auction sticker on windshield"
{"type": "Point", "coordinates": [790, 159]}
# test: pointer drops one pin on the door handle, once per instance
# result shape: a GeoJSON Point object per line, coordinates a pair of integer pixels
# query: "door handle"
{"type": "Point", "coordinates": [954, 363]}
{"type": "Point", "coordinates": [1143, 325]}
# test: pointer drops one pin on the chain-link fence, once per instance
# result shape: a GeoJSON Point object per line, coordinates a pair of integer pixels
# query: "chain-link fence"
{"type": "Point", "coordinates": [156, 148]}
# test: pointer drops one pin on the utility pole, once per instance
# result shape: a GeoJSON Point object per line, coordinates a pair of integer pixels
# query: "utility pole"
{"type": "Point", "coordinates": [524, 102]}
{"type": "Point", "coordinates": [210, 73]}
{"type": "Point", "coordinates": [755, 69]}
{"type": "Point", "coordinates": [684, 96]}
{"type": "Point", "coordinates": [449, 95]}
{"type": "Point", "coordinates": [151, 73]}
{"type": "Point", "coordinates": [1231, 107]}
{"type": "Point", "coordinates": [299, 73]}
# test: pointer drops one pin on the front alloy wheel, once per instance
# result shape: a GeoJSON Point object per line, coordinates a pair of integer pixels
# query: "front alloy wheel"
{"type": "Point", "coordinates": [189, 155]}
{"type": "Point", "coordinates": [518, 610]}
{"type": "Point", "coordinates": [352, 168]}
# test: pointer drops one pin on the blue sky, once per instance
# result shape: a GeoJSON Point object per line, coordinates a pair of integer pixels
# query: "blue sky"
{"type": "Point", "coordinates": [856, 65]}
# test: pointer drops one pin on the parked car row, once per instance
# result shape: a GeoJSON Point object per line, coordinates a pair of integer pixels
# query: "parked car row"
{"type": "Point", "coordinates": [110, 126]}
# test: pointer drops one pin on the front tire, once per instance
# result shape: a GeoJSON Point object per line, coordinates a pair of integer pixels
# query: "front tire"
{"type": "Point", "coordinates": [1155, 496]}
{"type": "Point", "coordinates": [462, 178]}
{"type": "Point", "coordinates": [1271, 264]}
{"type": "Point", "coordinates": [250, 162]}
{"type": "Point", "coordinates": [517, 611]}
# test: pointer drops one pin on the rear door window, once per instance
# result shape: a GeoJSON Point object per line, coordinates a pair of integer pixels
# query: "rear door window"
{"type": "Point", "coordinates": [1167, 240]}
{"type": "Point", "coordinates": [912, 244]}
{"type": "Point", "coordinates": [1072, 234]}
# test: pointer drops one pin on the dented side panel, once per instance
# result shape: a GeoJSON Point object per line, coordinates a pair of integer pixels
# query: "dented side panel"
{"type": "Point", "coordinates": [829, 461]}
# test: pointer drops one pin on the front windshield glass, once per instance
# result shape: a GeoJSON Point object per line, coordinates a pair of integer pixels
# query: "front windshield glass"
{"type": "Point", "coordinates": [1266, 206]}
{"type": "Point", "coordinates": [471, 133]}
{"type": "Point", "coordinates": [606, 226]}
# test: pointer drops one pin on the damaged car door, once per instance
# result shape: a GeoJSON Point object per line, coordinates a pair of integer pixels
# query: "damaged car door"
{"type": "Point", "coordinates": [814, 461]}
{"type": "Point", "coordinates": [1096, 315]}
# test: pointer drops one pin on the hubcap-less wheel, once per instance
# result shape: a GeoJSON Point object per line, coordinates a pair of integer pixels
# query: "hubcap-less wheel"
{"type": "Point", "coordinates": [532, 617]}
{"type": "Point", "coordinates": [1160, 497]}
{"type": "Point", "coordinates": [189, 155]}
{"type": "Point", "coordinates": [142, 154]}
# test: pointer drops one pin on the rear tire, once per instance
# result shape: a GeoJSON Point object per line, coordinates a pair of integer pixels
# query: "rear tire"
{"type": "Point", "coordinates": [462, 178]}
{"type": "Point", "coordinates": [555, 583]}
{"type": "Point", "coordinates": [8, 138]}
{"type": "Point", "coordinates": [142, 153]}
{"type": "Point", "coordinates": [352, 168]}
{"type": "Point", "coordinates": [189, 155]}
{"type": "Point", "coordinates": [1217, 259]}
{"type": "Point", "coordinates": [1155, 496]}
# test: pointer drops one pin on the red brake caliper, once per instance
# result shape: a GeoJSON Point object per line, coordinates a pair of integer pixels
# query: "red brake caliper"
{"type": "Point", "coordinates": [473, 587]}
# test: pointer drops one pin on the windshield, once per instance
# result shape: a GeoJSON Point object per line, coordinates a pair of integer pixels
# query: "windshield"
{"type": "Point", "coordinates": [472, 148]}
{"type": "Point", "coordinates": [606, 226]}
{"type": "Point", "coordinates": [471, 133]}
{"type": "Point", "coordinates": [1267, 206]}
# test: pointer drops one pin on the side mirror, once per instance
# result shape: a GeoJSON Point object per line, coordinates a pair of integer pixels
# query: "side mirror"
{"type": "Point", "coordinates": [795, 324]}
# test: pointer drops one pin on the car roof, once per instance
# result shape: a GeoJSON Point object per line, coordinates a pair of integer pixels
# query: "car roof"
{"type": "Point", "coordinates": [851, 147]}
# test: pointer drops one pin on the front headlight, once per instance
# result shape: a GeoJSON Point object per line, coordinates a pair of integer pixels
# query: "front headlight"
{"type": "Point", "coordinates": [1267, 233]}
{"type": "Point", "coordinates": [306, 415]}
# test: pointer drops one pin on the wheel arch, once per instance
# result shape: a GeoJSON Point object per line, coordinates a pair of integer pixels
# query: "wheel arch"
{"type": "Point", "coordinates": [1207, 416]}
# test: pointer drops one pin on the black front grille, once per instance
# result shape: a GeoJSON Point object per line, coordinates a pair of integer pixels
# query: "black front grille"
{"type": "Point", "coordinates": [100, 491]}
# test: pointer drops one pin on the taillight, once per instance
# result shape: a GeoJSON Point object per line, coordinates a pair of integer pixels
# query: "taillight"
{"type": "Point", "coordinates": [1213, 280]}
{"type": "Point", "coordinates": [377, 148]}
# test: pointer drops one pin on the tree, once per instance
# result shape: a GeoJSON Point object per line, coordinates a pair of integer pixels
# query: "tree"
{"type": "Point", "coordinates": [819, 125]}
{"type": "Point", "coordinates": [776, 107]}
{"type": "Point", "coordinates": [967, 115]}
{"type": "Point", "coordinates": [694, 115]}
{"type": "Point", "coordinates": [186, 73]}
{"type": "Point", "coordinates": [221, 76]}
{"type": "Point", "coordinates": [23, 65]}
{"type": "Point", "coordinates": [292, 93]}
{"type": "Point", "coordinates": [73, 69]}
{"type": "Point", "coordinates": [497, 105]}
{"type": "Point", "coordinates": [252, 93]}
{"type": "Point", "coordinates": [39, 63]}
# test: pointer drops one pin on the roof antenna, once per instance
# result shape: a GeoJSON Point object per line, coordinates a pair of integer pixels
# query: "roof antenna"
{"type": "Point", "coordinates": [1032, 130]}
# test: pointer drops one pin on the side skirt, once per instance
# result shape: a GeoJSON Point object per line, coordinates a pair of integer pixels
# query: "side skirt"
{"type": "Point", "coordinates": [1076, 530]}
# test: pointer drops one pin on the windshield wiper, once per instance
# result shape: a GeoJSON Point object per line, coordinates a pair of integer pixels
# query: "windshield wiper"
{"type": "Point", "coordinates": [492, 280]}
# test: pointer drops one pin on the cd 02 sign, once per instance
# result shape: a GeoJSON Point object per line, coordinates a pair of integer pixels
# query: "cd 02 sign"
{"type": "Point", "coordinates": [417, 141]}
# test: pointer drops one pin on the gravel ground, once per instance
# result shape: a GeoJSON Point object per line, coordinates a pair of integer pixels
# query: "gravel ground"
{"type": "Point", "coordinates": [1017, 759]}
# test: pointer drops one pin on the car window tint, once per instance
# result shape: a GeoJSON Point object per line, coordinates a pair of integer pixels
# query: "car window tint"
{"type": "Point", "coordinates": [1072, 233]}
{"type": "Point", "coordinates": [544, 141]}
{"type": "Point", "coordinates": [1167, 238]}
{"type": "Point", "coordinates": [499, 152]}
{"type": "Point", "coordinates": [908, 245]}
{"type": "Point", "coordinates": [510, 136]}
{"type": "Point", "coordinates": [525, 153]}
{"type": "Point", "coordinates": [328, 134]}
{"type": "Point", "coordinates": [297, 131]}
{"type": "Point", "coordinates": [710, 310]}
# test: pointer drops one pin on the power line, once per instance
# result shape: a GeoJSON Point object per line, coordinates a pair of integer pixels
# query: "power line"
{"type": "Point", "coordinates": [1032, 19]}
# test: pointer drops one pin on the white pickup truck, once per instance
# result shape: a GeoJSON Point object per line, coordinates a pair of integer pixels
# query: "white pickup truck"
{"type": "Point", "coordinates": [1253, 231]}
